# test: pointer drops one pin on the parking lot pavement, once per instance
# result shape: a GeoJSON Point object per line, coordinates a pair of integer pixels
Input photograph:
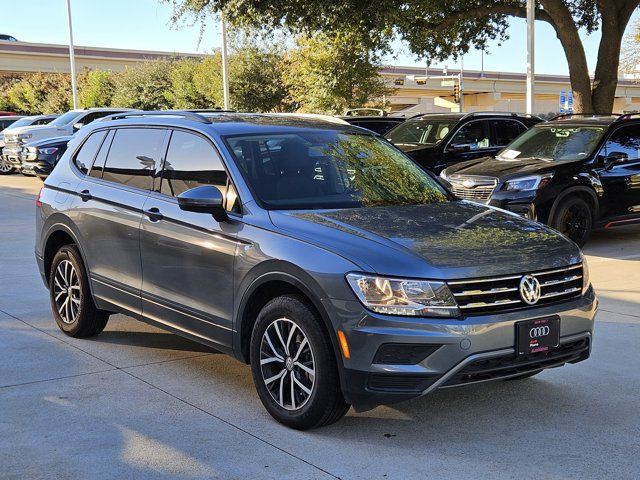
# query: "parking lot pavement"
{"type": "Point", "coordinates": [137, 402]}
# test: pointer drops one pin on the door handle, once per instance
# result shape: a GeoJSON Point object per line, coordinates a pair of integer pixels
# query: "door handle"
{"type": "Point", "coordinates": [85, 195]}
{"type": "Point", "coordinates": [154, 214]}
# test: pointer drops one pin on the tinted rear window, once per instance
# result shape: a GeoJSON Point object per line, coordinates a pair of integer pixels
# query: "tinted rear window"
{"type": "Point", "coordinates": [133, 157]}
{"type": "Point", "coordinates": [84, 158]}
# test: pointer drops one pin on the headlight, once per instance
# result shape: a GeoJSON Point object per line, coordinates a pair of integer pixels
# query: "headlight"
{"type": "Point", "coordinates": [525, 184]}
{"type": "Point", "coordinates": [585, 276]}
{"type": "Point", "coordinates": [443, 174]}
{"type": "Point", "coordinates": [395, 296]}
{"type": "Point", "coordinates": [48, 151]}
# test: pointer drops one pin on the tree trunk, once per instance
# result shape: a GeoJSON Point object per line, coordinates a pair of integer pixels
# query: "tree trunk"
{"type": "Point", "coordinates": [615, 18]}
{"type": "Point", "coordinates": [567, 33]}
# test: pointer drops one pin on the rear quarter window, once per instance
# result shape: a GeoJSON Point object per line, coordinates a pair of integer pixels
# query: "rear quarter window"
{"type": "Point", "coordinates": [88, 150]}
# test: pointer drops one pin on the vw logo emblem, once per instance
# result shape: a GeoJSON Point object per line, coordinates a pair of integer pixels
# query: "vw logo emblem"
{"type": "Point", "coordinates": [530, 289]}
{"type": "Point", "coordinates": [468, 183]}
{"type": "Point", "coordinates": [536, 332]}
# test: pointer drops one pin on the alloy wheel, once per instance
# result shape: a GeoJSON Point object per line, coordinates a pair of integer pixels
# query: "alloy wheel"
{"type": "Point", "coordinates": [576, 222]}
{"type": "Point", "coordinates": [287, 364]}
{"type": "Point", "coordinates": [5, 167]}
{"type": "Point", "coordinates": [66, 291]}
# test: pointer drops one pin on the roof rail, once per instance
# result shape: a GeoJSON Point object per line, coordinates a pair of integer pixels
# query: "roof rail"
{"type": "Point", "coordinates": [196, 117]}
{"type": "Point", "coordinates": [566, 115]}
{"type": "Point", "coordinates": [208, 110]}
{"type": "Point", "coordinates": [626, 116]}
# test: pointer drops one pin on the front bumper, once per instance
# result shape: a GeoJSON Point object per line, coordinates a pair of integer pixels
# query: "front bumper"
{"type": "Point", "coordinates": [11, 155]}
{"type": "Point", "coordinates": [474, 349]}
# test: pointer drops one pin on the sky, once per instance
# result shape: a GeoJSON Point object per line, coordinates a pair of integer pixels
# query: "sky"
{"type": "Point", "coordinates": [146, 25]}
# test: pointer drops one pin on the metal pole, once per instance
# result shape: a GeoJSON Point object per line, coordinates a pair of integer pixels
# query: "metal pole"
{"type": "Point", "coordinates": [225, 72]}
{"type": "Point", "coordinates": [531, 17]}
{"type": "Point", "coordinates": [72, 59]}
{"type": "Point", "coordinates": [460, 81]}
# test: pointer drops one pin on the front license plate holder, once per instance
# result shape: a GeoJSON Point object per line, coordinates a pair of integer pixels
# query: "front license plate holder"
{"type": "Point", "coordinates": [537, 335]}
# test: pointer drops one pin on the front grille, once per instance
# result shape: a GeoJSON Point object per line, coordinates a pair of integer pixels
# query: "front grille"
{"type": "Point", "coordinates": [473, 188]}
{"type": "Point", "coordinates": [509, 365]}
{"type": "Point", "coordinates": [497, 294]}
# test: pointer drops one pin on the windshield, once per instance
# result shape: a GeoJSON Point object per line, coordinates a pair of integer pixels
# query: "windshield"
{"type": "Point", "coordinates": [66, 119]}
{"type": "Point", "coordinates": [23, 122]}
{"type": "Point", "coordinates": [316, 170]}
{"type": "Point", "coordinates": [422, 131]}
{"type": "Point", "coordinates": [562, 144]}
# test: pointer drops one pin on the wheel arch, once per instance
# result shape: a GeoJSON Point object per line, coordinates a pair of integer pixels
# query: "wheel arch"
{"type": "Point", "coordinates": [268, 282]}
{"type": "Point", "coordinates": [585, 192]}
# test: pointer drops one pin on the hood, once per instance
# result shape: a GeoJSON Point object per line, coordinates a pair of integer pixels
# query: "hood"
{"type": "Point", "coordinates": [455, 239]}
{"type": "Point", "coordinates": [38, 132]}
{"type": "Point", "coordinates": [50, 142]}
{"type": "Point", "coordinates": [502, 169]}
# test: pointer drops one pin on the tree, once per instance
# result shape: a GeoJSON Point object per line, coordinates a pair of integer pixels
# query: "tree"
{"type": "Point", "coordinates": [95, 88]}
{"type": "Point", "coordinates": [329, 75]}
{"type": "Point", "coordinates": [437, 29]}
{"type": "Point", "coordinates": [144, 86]}
{"type": "Point", "coordinates": [41, 93]}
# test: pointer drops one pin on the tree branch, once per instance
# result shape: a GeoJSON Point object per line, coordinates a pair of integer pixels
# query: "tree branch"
{"type": "Point", "coordinates": [478, 13]}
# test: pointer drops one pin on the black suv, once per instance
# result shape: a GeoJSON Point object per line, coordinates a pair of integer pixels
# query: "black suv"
{"type": "Point", "coordinates": [574, 173]}
{"type": "Point", "coordinates": [437, 140]}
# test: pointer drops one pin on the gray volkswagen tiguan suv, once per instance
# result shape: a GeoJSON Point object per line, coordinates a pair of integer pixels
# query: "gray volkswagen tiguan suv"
{"type": "Point", "coordinates": [315, 251]}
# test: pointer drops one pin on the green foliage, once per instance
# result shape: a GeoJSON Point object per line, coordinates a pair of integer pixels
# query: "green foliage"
{"type": "Point", "coordinates": [95, 88]}
{"type": "Point", "coordinates": [144, 86]}
{"type": "Point", "coordinates": [185, 91]}
{"type": "Point", "coordinates": [329, 75]}
{"type": "Point", "coordinates": [41, 92]}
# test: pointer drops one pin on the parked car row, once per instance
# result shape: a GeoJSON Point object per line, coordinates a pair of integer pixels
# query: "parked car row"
{"type": "Point", "coordinates": [33, 144]}
{"type": "Point", "coordinates": [315, 251]}
{"type": "Point", "coordinates": [574, 173]}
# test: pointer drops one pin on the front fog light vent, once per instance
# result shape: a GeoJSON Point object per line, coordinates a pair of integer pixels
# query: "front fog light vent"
{"type": "Point", "coordinates": [403, 354]}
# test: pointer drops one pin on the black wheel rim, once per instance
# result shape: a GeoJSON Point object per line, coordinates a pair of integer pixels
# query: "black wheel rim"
{"type": "Point", "coordinates": [575, 223]}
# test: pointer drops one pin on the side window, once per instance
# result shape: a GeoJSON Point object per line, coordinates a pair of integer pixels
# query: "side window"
{"type": "Point", "coordinates": [90, 117]}
{"type": "Point", "coordinates": [474, 134]}
{"type": "Point", "coordinates": [505, 131]}
{"type": "Point", "coordinates": [191, 162]}
{"type": "Point", "coordinates": [98, 163]}
{"type": "Point", "coordinates": [84, 158]}
{"type": "Point", "coordinates": [133, 156]}
{"type": "Point", "coordinates": [625, 140]}
{"type": "Point", "coordinates": [42, 121]}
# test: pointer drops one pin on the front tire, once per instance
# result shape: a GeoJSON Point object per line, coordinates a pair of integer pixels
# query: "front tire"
{"type": "Point", "coordinates": [5, 167]}
{"type": "Point", "coordinates": [574, 219]}
{"type": "Point", "coordinates": [294, 366]}
{"type": "Point", "coordinates": [71, 301]}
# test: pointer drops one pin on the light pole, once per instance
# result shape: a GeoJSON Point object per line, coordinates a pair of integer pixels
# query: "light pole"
{"type": "Point", "coordinates": [460, 81]}
{"type": "Point", "coordinates": [531, 18]}
{"type": "Point", "coordinates": [72, 59]}
{"type": "Point", "coordinates": [225, 72]}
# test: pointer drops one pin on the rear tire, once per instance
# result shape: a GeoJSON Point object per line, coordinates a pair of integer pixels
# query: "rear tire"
{"type": "Point", "coordinates": [294, 365]}
{"type": "Point", "coordinates": [71, 301]}
{"type": "Point", "coordinates": [574, 219]}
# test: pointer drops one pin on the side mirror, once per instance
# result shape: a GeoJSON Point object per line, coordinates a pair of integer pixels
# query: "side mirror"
{"type": "Point", "coordinates": [204, 199]}
{"type": "Point", "coordinates": [459, 148]}
{"type": "Point", "coordinates": [615, 158]}
{"type": "Point", "coordinates": [77, 126]}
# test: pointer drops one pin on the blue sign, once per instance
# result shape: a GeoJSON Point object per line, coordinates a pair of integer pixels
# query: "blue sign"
{"type": "Point", "coordinates": [570, 102]}
{"type": "Point", "coordinates": [563, 101]}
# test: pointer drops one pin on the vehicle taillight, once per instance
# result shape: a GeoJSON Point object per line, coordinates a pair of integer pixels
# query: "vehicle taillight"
{"type": "Point", "coordinates": [38, 202]}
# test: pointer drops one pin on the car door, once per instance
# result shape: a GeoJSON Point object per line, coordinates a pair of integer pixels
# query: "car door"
{"type": "Point", "coordinates": [109, 211]}
{"type": "Point", "coordinates": [472, 140]}
{"type": "Point", "coordinates": [188, 257]}
{"type": "Point", "coordinates": [620, 178]}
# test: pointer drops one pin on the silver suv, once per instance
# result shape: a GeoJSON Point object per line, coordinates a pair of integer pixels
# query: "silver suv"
{"type": "Point", "coordinates": [315, 251]}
